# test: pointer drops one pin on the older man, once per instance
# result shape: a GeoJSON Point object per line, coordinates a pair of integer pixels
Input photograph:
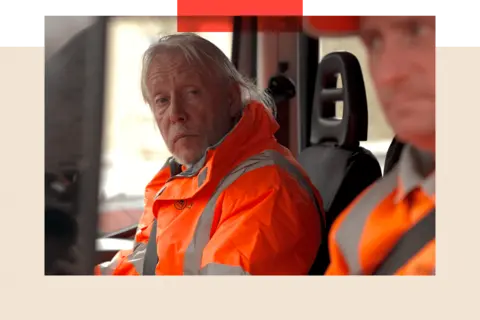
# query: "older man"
{"type": "Point", "coordinates": [230, 200]}
{"type": "Point", "coordinates": [390, 228]}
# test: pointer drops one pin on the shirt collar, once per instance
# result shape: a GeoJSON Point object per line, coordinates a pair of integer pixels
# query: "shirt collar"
{"type": "Point", "coordinates": [416, 169]}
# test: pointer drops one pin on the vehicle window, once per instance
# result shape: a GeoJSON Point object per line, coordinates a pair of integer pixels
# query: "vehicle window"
{"type": "Point", "coordinates": [379, 133]}
{"type": "Point", "coordinates": [133, 150]}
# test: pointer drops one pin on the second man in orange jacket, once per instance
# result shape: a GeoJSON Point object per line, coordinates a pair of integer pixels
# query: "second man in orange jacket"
{"type": "Point", "coordinates": [390, 228]}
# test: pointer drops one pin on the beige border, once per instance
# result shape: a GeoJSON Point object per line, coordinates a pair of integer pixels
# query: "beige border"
{"type": "Point", "coordinates": [458, 154]}
{"type": "Point", "coordinates": [30, 295]}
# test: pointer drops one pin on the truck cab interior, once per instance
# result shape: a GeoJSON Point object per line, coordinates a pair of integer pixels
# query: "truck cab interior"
{"type": "Point", "coordinates": [322, 109]}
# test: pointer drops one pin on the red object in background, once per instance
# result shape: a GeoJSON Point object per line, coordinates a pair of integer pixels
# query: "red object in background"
{"type": "Point", "coordinates": [331, 25]}
{"type": "Point", "coordinates": [205, 24]}
{"type": "Point", "coordinates": [239, 8]}
{"type": "Point", "coordinates": [280, 24]}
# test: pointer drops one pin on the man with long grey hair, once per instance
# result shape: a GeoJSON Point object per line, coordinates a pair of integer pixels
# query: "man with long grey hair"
{"type": "Point", "coordinates": [230, 200]}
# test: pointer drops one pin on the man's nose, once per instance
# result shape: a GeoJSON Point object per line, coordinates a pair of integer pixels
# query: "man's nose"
{"type": "Point", "coordinates": [177, 111]}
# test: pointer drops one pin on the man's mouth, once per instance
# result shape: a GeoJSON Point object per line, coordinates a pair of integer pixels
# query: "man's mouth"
{"type": "Point", "coordinates": [181, 136]}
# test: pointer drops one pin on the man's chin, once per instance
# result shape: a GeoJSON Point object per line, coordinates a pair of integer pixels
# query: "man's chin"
{"type": "Point", "coordinates": [421, 140]}
{"type": "Point", "coordinates": [187, 160]}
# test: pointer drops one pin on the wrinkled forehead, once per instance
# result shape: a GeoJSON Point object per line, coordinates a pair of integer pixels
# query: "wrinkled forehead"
{"type": "Point", "coordinates": [172, 61]}
{"type": "Point", "coordinates": [347, 22]}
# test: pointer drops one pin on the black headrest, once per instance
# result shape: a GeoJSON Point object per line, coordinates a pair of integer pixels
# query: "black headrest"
{"type": "Point", "coordinates": [353, 127]}
{"type": "Point", "coordinates": [338, 167]}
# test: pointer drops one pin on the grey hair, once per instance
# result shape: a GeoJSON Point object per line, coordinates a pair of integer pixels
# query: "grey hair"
{"type": "Point", "coordinates": [200, 50]}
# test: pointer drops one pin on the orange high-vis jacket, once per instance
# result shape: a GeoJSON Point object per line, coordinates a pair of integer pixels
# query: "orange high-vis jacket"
{"type": "Point", "coordinates": [364, 234]}
{"type": "Point", "coordinates": [247, 208]}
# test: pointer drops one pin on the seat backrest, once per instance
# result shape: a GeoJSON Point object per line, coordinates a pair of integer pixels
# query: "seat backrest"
{"type": "Point", "coordinates": [339, 168]}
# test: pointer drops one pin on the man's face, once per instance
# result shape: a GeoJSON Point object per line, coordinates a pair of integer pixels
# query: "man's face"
{"type": "Point", "coordinates": [402, 64]}
{"type": "Point", "coordinates": [190, 107]}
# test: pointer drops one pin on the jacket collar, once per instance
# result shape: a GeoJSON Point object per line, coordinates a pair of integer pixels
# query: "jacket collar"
{"type": "Point", "coordinates": [252, 134]}
{"type": "Point", "coordinates": [416, 169]}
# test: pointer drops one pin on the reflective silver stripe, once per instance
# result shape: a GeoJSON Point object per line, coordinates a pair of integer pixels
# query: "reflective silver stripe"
{"type": "Point", "coordinates": [193, 254]}
{"type": "Point", "coordinates": [202, 176]}
{"type": "Point", "coordinates": [349, 233]}
{"type": "Point", "coordinates": [413, 168]}
{"type": "Point", "coordinates": [219, 269]}
{"type": "Point", "coordinates": [107, 268]}
{"type": "Point", "coordinates": [136, 258]}
{"type": "Point", "coordinates": [283, 163]}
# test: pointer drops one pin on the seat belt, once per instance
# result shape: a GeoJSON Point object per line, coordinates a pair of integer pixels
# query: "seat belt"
{"type": "Point", "coordinates": [409, 245]}
{"type": "Point", "coordinates": [151, 256]}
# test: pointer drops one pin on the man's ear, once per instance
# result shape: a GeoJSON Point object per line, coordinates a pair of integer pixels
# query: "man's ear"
{"type": "Point", "coordinates": [234, 99]}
